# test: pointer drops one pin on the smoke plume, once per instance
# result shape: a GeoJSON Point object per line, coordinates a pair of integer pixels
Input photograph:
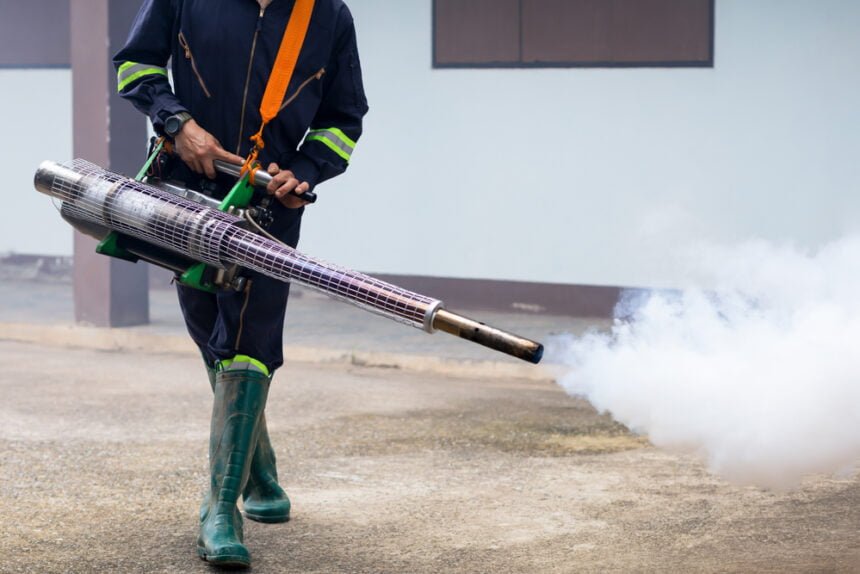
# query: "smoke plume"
{"type": "Point", "coordinates": [755, 368]}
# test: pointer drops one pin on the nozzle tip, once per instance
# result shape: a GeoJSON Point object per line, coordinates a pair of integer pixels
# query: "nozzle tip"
{"type": "Point", "coordinates": [537, 355]}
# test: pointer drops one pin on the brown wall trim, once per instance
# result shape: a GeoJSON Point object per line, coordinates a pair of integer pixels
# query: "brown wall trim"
{"type": "Point", "coordinates": [593, 301]}
{"type": "Point", "coordinates": [459, 294]}
{"type": "Point", "coordinates": [514, 296]}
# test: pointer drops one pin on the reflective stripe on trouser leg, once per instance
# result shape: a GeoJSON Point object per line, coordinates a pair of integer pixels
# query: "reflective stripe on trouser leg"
{"type": "Point", "coordinates": [243, 363]}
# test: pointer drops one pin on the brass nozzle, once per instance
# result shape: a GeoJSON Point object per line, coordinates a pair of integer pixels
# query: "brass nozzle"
{"type": "Point", "coordinates": [487, 336]}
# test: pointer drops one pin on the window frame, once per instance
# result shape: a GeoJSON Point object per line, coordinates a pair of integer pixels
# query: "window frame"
{"type": "Point", "coordinates": [48, 48]}
{"type": "Point", "coordinates": [709, 63]}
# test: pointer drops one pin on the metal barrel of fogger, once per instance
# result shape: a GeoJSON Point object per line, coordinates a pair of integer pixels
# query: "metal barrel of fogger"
{"type": "Point", "coordinates": [93, 195]}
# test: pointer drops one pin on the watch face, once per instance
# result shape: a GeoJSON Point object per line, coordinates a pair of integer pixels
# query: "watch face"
{"type": "Point", "coordinates": [171, 125]}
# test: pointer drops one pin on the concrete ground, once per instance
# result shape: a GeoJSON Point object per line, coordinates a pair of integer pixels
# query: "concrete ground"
{"type": "Point", "coordinates": [405, 467]}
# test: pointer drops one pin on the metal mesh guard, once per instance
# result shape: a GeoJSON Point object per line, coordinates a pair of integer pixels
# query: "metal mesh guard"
{"type": "Point", "coordinates": [216, 238]}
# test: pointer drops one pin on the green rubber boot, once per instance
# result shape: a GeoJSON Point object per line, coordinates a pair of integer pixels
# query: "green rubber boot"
{"type": "Point", "coordinates": [240, 397]}
{"type": "Point", "coordinates": [263, 498]}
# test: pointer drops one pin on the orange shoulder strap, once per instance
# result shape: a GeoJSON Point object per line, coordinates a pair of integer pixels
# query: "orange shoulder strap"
{"type": "Point", "coordinates": [282, 73]}
{"type": "Point", "coordinates": [288, 55]}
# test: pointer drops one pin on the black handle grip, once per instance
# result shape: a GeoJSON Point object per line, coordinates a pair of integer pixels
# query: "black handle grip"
{"type": "Point", "coordinates": [308, 196]}
{"type": "Point", "coordinates": [261, 178]}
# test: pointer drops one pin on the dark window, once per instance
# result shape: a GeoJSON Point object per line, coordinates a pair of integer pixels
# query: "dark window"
{"type": "Point", "coordinates": [572, 33]}
{"type": "Point", "coordinates": [34, 34]}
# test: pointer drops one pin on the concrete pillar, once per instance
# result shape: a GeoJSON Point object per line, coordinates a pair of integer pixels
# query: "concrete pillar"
{"type": "Point", "coordinates": [111, 133]}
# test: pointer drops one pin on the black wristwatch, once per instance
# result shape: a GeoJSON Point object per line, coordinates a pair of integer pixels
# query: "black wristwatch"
{"type": "Point", "coordinates": [173, 124]}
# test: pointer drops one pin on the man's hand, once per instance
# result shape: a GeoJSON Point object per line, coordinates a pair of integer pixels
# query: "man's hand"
{"type": "Point", "coordinates": [198, 148]}
{"type": "Point", "coordinates": [285, 182]}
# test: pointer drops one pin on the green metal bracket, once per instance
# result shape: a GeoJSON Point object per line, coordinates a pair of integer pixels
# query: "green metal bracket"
{"type": "Point", "coordinates": [240, 196]}
{"type": "Point", "coordinates": [110, 246]}
{"type": "Point", "coordinates": [195, 276]}
{"type": "Point", "coordinates": [142, 173]}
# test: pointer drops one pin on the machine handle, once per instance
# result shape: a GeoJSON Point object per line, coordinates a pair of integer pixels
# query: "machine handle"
{"type": "Point", "coordinates": [261, 178]}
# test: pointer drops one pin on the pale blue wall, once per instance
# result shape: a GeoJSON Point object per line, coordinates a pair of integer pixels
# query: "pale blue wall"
{"type": "Point", "coordinates": [36, 120]}
{"type": "Point", "coordinates": [592, 176]}
{"type": "Point", "coordinates": [574, 175]}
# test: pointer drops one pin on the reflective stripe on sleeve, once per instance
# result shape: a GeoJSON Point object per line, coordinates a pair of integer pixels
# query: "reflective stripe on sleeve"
{"type": "Point", "coordinates": [131, 71]}
{"type": "Point", "coordinates": [335, 140]}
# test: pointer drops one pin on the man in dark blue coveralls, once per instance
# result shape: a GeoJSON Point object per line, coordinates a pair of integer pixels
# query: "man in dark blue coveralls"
{"type": "Point", "coordinates": [222, 54]}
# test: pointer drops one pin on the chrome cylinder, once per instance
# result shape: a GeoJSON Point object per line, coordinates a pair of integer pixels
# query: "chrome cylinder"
{"type": "Point", "coordinates": [203, 234]}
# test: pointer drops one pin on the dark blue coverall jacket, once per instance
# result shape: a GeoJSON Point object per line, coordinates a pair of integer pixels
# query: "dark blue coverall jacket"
{"type": "Point", "coordinates": [222, 52]}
